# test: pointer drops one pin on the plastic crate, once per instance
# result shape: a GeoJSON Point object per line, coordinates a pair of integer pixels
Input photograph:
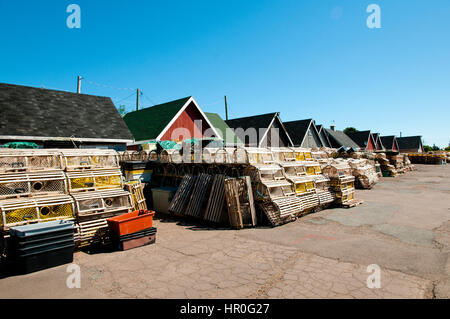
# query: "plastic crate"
{"type": "Point", "coordinates": [131, 222]}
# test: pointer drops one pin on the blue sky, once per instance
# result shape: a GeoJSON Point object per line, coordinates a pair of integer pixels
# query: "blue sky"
{"type": "Point", "coordinates": [306, 59]}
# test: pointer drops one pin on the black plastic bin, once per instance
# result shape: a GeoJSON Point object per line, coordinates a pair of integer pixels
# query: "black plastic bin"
{"type": "Point", "coordinates": [40, 246]}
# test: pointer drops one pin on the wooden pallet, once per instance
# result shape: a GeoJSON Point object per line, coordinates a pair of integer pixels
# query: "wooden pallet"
{"type": "Point", "coordinates": [240, 205]}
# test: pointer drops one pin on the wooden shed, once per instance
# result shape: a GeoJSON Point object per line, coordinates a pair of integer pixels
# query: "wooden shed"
{"type": "Point", "coordinates": [172, 121]}
{"type": "Point", "coordinates": [390, 143]}
{"type": "Point", "coordinates": [410, 144]}
{"type": "Point", "coordinates": [304, 133]}
{"type": "Point", "coordinates": [59, 119]}
{"type": "Point", "coordinates": [364, 139]}
{"type": "Point", "coordinates": [266, 130]}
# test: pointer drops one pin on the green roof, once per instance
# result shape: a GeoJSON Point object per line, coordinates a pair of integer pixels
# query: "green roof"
{"type": "Point", "coordinates": [223, 129]}
{"type": "Point", "coordinates": [148, 123]}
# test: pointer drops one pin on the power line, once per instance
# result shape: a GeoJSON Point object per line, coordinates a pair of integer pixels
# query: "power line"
{"type": "Point", "coordinates": [107, 86]}
{"type": "Point", "coordinates": [150, 100]}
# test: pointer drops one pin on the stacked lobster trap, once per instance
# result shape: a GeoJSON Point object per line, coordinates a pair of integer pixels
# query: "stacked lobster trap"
{"type": "Point", "coordinates": [95, 182]}
{"type": "Point", "coordinates": [365, 173]}
{"type": "Point", "coordinates": [342, 182]}
{"type": "Point", "coordinates": [33, 188]}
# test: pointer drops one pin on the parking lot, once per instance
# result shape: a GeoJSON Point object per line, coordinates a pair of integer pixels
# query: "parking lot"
{"type": "Point", "coordinates": [403, 227]}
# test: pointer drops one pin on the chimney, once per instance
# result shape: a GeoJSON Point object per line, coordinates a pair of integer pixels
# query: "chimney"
{"type": "Point", "coordinates": [333, 127]}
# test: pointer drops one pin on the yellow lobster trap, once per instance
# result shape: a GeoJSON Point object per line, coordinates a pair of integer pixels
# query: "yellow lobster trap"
{"type": "Point", "coordinates": [32, 184]}
{"type": "Point", "coordinates": [136, 189]}
{"type": "Point", "coordinates": [23, 211]}
{"type": "Point", "coordinates": [94, 180]}
{"type": "Point", "coordinates": [16, 160]}
{"type": "Point", "coordinates": [302, 154]}
{"type": "Point", "coordinates": [80, 159]}
{"type": "Point", "coordinates": [102, 204]}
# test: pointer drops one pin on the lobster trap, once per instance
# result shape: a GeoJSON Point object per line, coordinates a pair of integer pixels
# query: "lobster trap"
{"type": "Point", "coordinates": [283, 154]}
{"type": "Point", "coordinates": [171, 156]}
{"type": "Point", "coordinates": [312, 168]}
{"type": "Point", "coordinates": [82, 159]}
{"type": "Point", "coordinates": [225, 155]}
{"type": "Point", "coordinates": [253, 156]}
{"type": "Point", "coordinates": [16, 160]}
{"type": "Point", "coordinates": [103, 204]}
{"type": "Point", "coordinates": [15, 212]}
{"type": "Point", "coordinates": [91, 232]}
{"type": "Point", "coordinates": [136, 189]}
{"type": "Point", "coordinates": [94, 180]}
{"type": "Point", "coordinates": [302, 154]}
{"type": "Point", "coordinates": [32, 184]}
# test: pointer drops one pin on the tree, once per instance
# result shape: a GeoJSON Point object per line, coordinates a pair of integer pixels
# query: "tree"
{"type": "Point", "coordinates": [350, 130]}
{"type": "Point", "coordinates": [435, 148]}
{"type": "Point", "coordinates": [427, 148]}
{"type": "Point", "coordinates": [122, 110]}
{"type": "Point", "coordinates": [447, 148]}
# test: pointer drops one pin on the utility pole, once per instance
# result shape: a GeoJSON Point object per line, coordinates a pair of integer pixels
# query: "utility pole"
{"type": "Point", "coordinates": [138, 93]}
{"type": "Point", "coordinates": [79, 85]}
{"type": "Point", "coordinates": [226, 108]}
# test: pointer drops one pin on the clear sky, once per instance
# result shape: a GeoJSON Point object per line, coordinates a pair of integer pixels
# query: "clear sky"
{"type": "Point", "coordinates": [305, 59]}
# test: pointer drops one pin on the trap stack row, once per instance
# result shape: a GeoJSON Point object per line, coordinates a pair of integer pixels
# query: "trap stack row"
{"type": "Point", "coordinates": [82, 185]}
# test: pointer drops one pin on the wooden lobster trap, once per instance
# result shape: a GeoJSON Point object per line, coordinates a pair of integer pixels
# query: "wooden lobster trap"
{"type": "Point", "coordinates": [81, 159]}
{"type": "Point", "coordinates": [124, 156]}
{"type": "Point", "coordinates": [312, 168]}
{"type": "Point", "coordinates": [102, 204]}
{"type": "Point", "coordinates": [302, 154]}
{"type": "Point", "coordinates": [94, 180]}
{"type": "Point", "coordinates": [305, 190]}
{"type": "Point", "coordinates": [282, 154]}
{"type": "Point", "coordinates": [273, 189]}
{"type": "Point", "coordinates": [240, 204]}
{"type": "Point", "coordinates": [208, 155]}
{"type": "Point", "coordinates": [15, 212]}
{"type": "Point", "coordinates": [323, 189]}
{"type": "Point", "coordinates": [265, 172]}
{"type": "Point", "coordinates": [142, 155]}
{"type": "Point", "coordinates": [136, 189]}
{"type": "Point", "coordinates": [293, 168]}
{"type": "Point", "coordinates": [32, 184]}
{"type": "Point", "coordinates": [16, 160]}
{"type": "Point", "coordinates": [91, 232]}
{"type": "Point", "coordinates": [365, 174]}
{"type": "Point", "coordinates": [253, 156]}
{"type": "Point", "coordinates": [225, 155]}
{"type": "Point", "coordinates": [171, 156]}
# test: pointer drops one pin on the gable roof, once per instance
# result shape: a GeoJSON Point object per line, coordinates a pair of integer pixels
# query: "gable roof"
{"type": "Point", "coordinates": [225, 132]}
{"type": "Point", "coordinates": [39, 114]}
{"type": "Point", "coordinates": [259, 122]}
{"type": "Point", "coordinates": [152, 122]}
{"type": "Point", "coordinates": [362, 138]}
{"type": "Point", "coordinates": [340, 139]}
{"type": "Point", "coordinates": [298, 131]}
{"type": "Point", "coordinates": [389, 141]}
{"type": "Point", "coordinates": [409, 142]}
{"type": "Point", "coordinates": [158, 115]}
{"type": "Point", "coordinates": [323, 135]}
{"type": "Point", "coordinates": [378, 143]}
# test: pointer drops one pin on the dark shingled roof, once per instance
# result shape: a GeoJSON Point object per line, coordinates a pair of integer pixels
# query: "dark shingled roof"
{"type": "Point", "coordinates": [29, 111]}
{"type": "Point", "coordinates": [258, 122]}
{"type": "Point", "coordinates": [388, 142]}
{"type": "Point", "coordinates": [409, 142]}
{"type": "Point", "coordinates": [323, 135]}
{"type": "Point", "coordinates": [378, 142]}
{"type": "Point", "coordinates": [297, 130]}
{"type": "Point", "coordinates": [340, 139]}
{"type": "Point", "coordinates": [148, 123]}
{"type": "Point", "coordinates": [361, 138]}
